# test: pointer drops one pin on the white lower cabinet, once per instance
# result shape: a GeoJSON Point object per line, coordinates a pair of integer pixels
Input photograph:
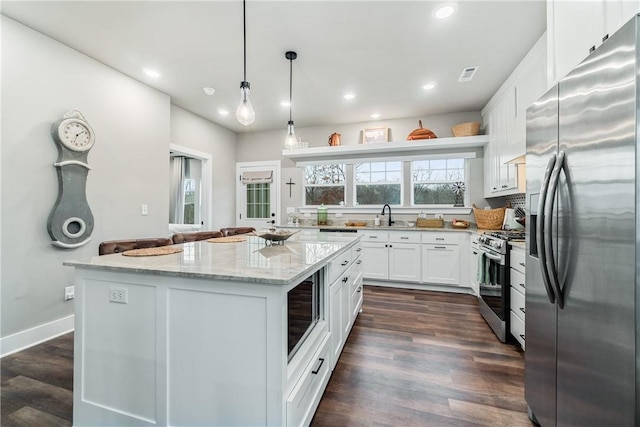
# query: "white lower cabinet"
{"type": "Point", "coordinates": [517, 294]}
{"type": "Point", "coordinates": [345, 300]}
{"type": "Point", "coordinates": [404, 262]}
{"type": "Point", "coordinates": [441, 264]}
{"type": "Point", "coordinates": [305, 397]}
{"type": "Point", "coordinates": [392, 256]}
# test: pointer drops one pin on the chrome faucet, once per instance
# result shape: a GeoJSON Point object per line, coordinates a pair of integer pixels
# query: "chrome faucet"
{"type": "Point", "coordinates": [383, 208]}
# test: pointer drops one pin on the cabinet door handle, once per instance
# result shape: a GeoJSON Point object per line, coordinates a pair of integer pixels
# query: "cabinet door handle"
{"type": "Point", "coordinates": [522, 309]}
{"type": "Point", "coordinates": [475, 253]}
{"type": "Point", "coordinates": [522, 336]}
{"type": "Point", "coordinates": [320, 362]}
{"type": "Point", "coordinates": [522, 264]}
{"type": "Point", "coordinates": [605, 37]}
{"type": "Point", "coordinates": [592, 48]}
{"type": "Point", "coordinates": [345, 279]}
{"type": "Point", "coordinates": [390, 246]}
{"type": "Point", "coordinates": [522, 284]}
{"type": "Point", "coordinates": [359, 261]}
{"type": "Point", "coordinates": [359, 288]}
{"type": "Point", "coordinates": [358, 250]}
{"type": "Point", "coordinates": [344, 263]}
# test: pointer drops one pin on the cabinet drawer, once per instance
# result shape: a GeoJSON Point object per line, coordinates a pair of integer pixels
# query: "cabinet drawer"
{"type": "Point", "coordinates": [410, 237]}
{"type": "Point", "coordinates": [451, 238]}
{"type": "Point", "coordinates": [375, 236]}
{"type": "Point", "coordinates": [304, 398]}
{"type": "Point", "coordinates": [339, 265]}
{"type": "Point", "coordinates": [356, 251]}
{"type": "Point", "coordinates": [517, 260]}
{"type": "Point", "coordinates": [517, 280]}
{"type": "Point", "coordinates": [517, 328]}
{"type": "Point", "coordinates": [517, 303]}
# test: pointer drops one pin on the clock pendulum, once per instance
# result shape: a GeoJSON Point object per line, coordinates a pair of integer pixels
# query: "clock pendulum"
{"type": "Point", "coordinates": [70, 222]}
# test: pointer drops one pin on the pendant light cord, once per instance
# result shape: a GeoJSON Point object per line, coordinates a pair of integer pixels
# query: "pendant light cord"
{"type": "Point", "coordinates": [244, 36]}
{"type": "Point", "coordinates": [290, 85]}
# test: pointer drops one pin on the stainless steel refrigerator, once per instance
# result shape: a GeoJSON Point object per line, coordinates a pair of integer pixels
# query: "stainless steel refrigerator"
{"type": "Point", "coordinates": [582, 321]}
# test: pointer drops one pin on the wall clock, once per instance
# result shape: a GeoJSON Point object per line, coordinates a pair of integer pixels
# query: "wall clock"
{"type": "Point", "coordinates": [70, 222]}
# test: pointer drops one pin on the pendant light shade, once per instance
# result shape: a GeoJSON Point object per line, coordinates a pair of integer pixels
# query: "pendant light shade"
{"type": "Point", "coordinates": [244, 112]}
{"type": "Point", "coordinates": [290, 140]}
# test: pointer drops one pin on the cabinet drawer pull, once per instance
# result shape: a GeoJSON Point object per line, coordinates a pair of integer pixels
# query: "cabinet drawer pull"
{"type": "Point", "coordinates": [522, 284]}
{"type": "Point", "coordinates": [345, 279]}
{"type": "Point", "coordinates": [475, 253]}
{"type": "Point", "coordinates": [373, 237]}
{"type": "Point", "coordinates": [522, 336]}
{"type": "Point", "coordinates": [605, 37]}
{"type": "Point", "coordinates": [591, 49]}
{"type": "Point", "coordinates": [321, 361]}
{"type": "Point", "coordinates": [404, 237]}
{"type": "Point", "coordinates": [440, 247]}
{"type": "Point", "coordinates": [523, 264]}
{"type": "Point", "coordinates": [358, 250]}
{"type": "Point", "coordinates": [344, 263]}
{"type": "Point", "coordinates": [439, 238]}
{"type": "Point", "coordinates": [522, 309]}
{"type": "Point", "coordinates": [359, 261]}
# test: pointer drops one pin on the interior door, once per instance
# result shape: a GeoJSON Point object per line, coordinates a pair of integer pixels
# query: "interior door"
{"type": "Point", "coordinates": [258, 194]}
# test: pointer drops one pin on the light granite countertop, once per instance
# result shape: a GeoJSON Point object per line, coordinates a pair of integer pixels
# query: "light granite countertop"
{"type": "Point", "coordinates": [250, 261]}
{"type": "Point", "coordinates": [447, 228]}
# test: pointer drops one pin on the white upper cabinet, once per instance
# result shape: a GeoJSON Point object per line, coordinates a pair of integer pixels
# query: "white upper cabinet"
{"type": "Point", "coordinates": [505, 122]}
{"type": "Point", "coordinates": [575, 28]}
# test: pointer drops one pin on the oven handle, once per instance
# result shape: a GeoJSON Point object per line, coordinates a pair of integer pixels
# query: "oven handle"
{"type": "Point", "coordinates": [548, 225]}
{"type": "Point", "coordinates": [540, 231]}
{"type": "Point", "coordinates": [492, 256]}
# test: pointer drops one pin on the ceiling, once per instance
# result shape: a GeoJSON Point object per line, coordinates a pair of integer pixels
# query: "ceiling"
{"type": "Point", "coordinates": [383, 51]}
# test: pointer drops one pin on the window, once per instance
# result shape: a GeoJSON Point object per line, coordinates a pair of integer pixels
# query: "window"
{"type": "Point", "coordinates": [259, 200]}
{"type": "Point", "coordinates": [378, 183]}
{"type": "Point", "coordinates": [438, 182]}
{"type": "Point", "coordinates": [324, 184]}
{"type": "Point", "coordinates": [185, 190]}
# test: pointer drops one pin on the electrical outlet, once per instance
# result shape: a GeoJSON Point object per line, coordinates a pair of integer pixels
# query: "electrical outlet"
{"type": "Point", "coordinates": [119, 295]}
{"type": "Point", "coordinates": [69, 293]}
{"type": "Point", "coordinates": [439, 216]}
{"type": "Point", "coordinates": [291, 210]}
{"type": "Point", "coordinates": [144, 209]}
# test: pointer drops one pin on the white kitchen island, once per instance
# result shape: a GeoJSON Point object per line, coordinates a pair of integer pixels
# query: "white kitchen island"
{"type": "Point", "coordinates": [201, 336]}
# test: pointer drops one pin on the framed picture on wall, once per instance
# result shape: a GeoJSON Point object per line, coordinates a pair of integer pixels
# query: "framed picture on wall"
{"type": "Point", "coordinates": [374, 135]}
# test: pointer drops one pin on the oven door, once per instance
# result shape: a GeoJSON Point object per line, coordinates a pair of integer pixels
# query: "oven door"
{"type": "Point", "coordinates": [493, 282]}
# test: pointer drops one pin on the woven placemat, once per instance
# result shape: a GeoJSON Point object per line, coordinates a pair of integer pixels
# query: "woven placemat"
{"type": "Point", "coordinates": [227, 239]}
{"type": "Point", "coordinates": [162, 250]}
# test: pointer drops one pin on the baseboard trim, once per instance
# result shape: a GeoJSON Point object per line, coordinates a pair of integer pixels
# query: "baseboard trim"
{"type": "Point", "coordinates": [420, 286]}
{"type": "Point", "coordinates": [34, 336]}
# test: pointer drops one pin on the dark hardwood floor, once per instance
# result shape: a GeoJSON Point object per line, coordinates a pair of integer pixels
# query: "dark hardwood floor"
{"type": "Point", "coordinates": [414, 358]}
{"type": "Point", "coordinates": [419, 358]}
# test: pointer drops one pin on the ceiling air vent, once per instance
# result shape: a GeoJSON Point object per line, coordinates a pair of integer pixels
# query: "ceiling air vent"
{"type": "Point", "coordinates": [467, 74]}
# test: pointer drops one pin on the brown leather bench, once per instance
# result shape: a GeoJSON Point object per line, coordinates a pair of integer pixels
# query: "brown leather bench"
{"type": "Point", "coordinates": [118, 246]}
{"type": "Point", "coordinates": [195, 236]}
{"type": "Point", "coordinates": [233, 231]}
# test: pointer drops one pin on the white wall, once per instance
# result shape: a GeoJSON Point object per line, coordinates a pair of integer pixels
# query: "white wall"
{"type": "Point", "coordinates": [195, 132]}
{"type": "Point", "coordinates": [268, 146]}
{"type": "Point", "coordinates": [41, 80]}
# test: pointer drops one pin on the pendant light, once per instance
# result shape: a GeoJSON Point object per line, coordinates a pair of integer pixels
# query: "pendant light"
{"type": "Point", "coordinates": [245, 113]}
{"type": "Point", "coordinates": [290, 141]}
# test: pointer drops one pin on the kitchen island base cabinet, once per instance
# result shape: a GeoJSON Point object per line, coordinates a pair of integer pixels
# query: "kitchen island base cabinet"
{"type": "Point", "coordinates": [201, 340]}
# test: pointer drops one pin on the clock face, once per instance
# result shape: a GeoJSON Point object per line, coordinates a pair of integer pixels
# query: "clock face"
{"type": "Point", "coordinates": [75, 135]}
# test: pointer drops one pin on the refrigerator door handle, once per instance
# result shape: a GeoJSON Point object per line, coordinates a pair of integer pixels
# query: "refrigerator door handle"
{"type": "Point", "coordinates": [548, 225]}
{"type": "Point", "coordinates": [540, 231]}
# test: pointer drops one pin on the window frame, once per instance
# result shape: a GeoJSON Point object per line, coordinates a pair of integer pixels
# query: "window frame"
{"type": "Point", "coordinates": [344, 184]}
{"type": "Point", "coordinates": [355, 184]}
{"type": "Point", "coordinates": [412, 183]}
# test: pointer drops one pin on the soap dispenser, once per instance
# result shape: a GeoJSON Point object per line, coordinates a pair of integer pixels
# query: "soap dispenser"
{"type": "Point", "coordinates": [376, 221]}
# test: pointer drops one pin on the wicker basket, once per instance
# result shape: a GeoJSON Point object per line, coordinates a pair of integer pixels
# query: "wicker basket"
{"type": "Point", "coordinates": [489, 219]}
{"type": "Point", "coordinates": [466, 129]}
{"type": "Point", "coordinates": [430, 223]}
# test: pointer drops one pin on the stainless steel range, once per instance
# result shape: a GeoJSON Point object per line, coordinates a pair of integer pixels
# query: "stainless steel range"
{"type": "Point", "coordinates": [493, 274]}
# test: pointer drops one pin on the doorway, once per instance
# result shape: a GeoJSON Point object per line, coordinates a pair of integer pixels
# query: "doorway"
{"type": "Point", "coordinates": [258, 194]}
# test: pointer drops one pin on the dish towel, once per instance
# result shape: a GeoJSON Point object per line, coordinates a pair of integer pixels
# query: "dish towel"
{"type": "Point", "coordinates": [483, 268]}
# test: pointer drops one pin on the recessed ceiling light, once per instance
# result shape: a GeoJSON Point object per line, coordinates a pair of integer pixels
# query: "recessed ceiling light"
{"type": "Point", "coordinates": [375, 115]}
{"type": "Point", "coordinates": [429, 86]}
{"type": "Point", "coordinates": [223, 112]}
{"type": "Point", "coordinates": [208, 90]}
{"type": "Point", "coordinates": [349, 95]}
{"type": "Point", "coordinates": [151, 73]}
{"type": "Point", "coordinates": [444, 11]}
{"type": "Point", "coordinates": [285, 103]}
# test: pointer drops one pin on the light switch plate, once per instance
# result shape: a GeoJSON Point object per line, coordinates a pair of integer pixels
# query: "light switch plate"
{"type": "Point", "coordinates": [144, 209]}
